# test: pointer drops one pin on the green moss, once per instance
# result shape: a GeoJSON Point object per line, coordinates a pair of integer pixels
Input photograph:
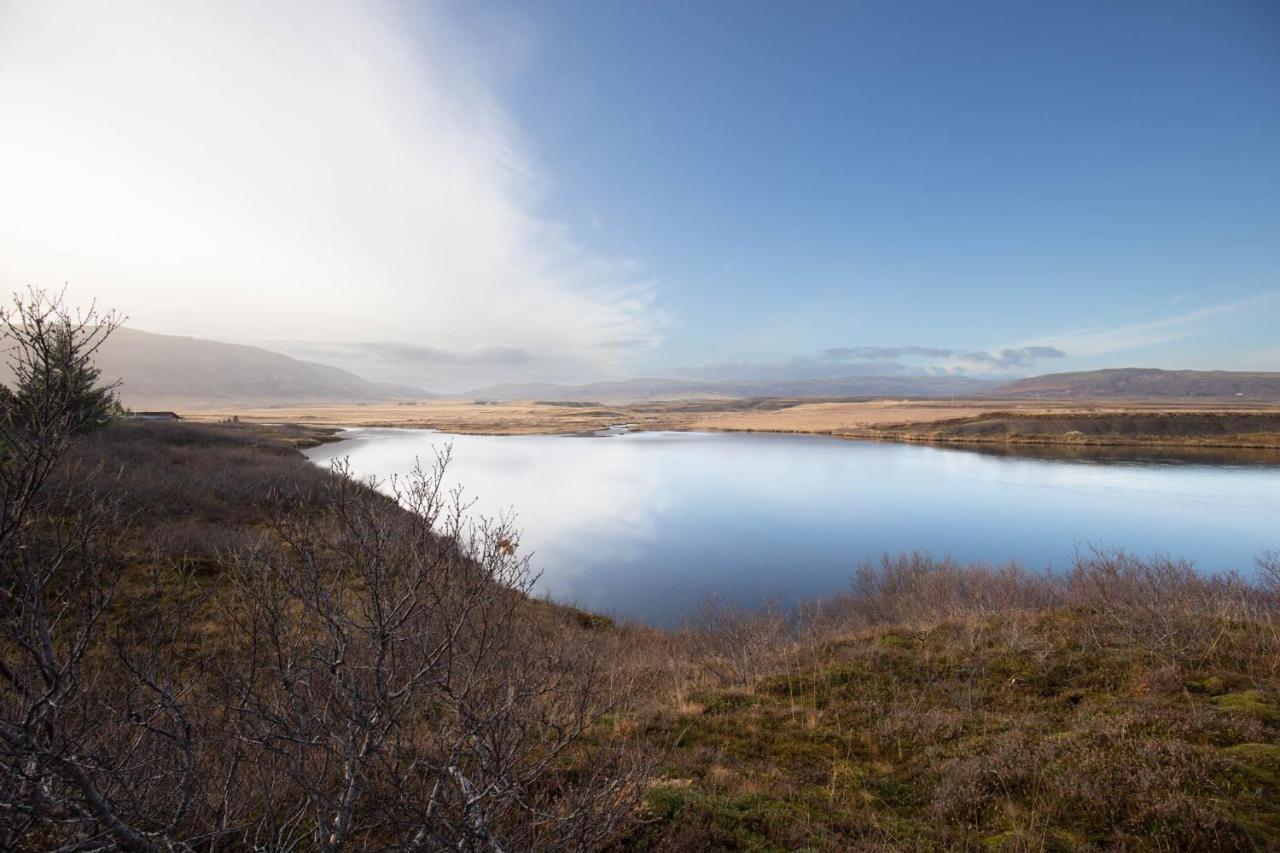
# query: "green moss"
{"type": "Point", "coordinates": [1252, 778]}
{"type": "Point", "coordinates": [1258, 763]}
{"type": "Point", "coordinates": [855, 675]}
{"type": "Point", "coordinates": [666, 802]}
{"type": "Point", "coordinates": [895, 792]}
{"type": "Point", "coordinates": [727, 703]}
{"type": "Point", "coordinates": [1249, 702]}
{"type": "Point", "coordinates": [1214, 685]}
{"type": "Point", "coordinates": [588, 620]}
{"type": "Point", "coordinates": [872, 735]}
{"type": "Point", "coordinates": [1001, 841]}
{"type": "Point", "coordinates": [752, 821]}
{"type": "Point", "coordinates": [1053, 678]}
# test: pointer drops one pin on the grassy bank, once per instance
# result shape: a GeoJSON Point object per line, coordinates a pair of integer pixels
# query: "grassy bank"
{"type": "Point", "coordinates": [1121, 705]}
{"type": "Point", "coordinates": [1127, 705]}
{"type": "Point", "coordinates": [1221, 429]}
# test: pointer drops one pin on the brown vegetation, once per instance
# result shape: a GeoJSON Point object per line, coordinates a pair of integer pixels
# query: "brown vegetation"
{"type": "Point", "coordinates": [251, 650]}
{"type": "Point", "coordinates": [1226, 429]}
{"type": "Point", "coordinates": [1125, 704]}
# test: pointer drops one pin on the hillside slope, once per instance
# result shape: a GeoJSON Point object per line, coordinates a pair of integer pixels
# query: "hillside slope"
{"type": "Point", "coordinates": [167, 371]}
{"type": "Point", "coordinates": [1137, 383]}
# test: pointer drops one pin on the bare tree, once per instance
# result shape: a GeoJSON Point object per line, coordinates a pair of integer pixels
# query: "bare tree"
{"type": "Point", "coordinates": [735, 644]}
{"type": "Point", "coordinates": [50, 350]}
{"type": "Point", "coordinates": [74, 719]}
{"type": "Point", "coordinates": [403, 687]}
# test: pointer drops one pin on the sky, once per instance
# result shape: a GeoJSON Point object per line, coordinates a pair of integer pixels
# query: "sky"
{"type": "Point", "coordinates": [452, 194]}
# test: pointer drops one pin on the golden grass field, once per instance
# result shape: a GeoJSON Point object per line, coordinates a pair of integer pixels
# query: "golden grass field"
{"type": "Point", "coordinates": [528, 417]}
{"type": "Point", "coordinates": [900, 419]}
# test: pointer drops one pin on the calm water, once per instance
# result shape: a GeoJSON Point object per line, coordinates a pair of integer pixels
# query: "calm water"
{"type": "Point", "coordinates": [645, 525]}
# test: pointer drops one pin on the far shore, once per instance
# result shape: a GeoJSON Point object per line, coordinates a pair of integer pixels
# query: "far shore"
{"type": "Point", "coordinates": [1078, 423]}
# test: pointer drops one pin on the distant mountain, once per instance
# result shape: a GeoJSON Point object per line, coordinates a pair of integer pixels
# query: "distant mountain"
{"type": "Point", "coordinates": [165, 371]}
{"type": "Point", "coordinates": [634, 390]}
{"type": "Point", "coordinates": [1137, 383]}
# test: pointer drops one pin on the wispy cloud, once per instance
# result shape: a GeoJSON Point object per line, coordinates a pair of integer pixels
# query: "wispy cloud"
{"type": "Point", "coordinates": [842, 354]}
{"type": "Point", "coordinates": [835, 362]}
{"type": "Point", "coordinates": [1101, 340]}
{"type": "Point", "coordinates": [1007, 357]}
{"type": "Point", "coordinates": [416, 364]}
{"type": "Point", "coordinates": [294, 171]}
{"type": "Point", "coordinates": [410, 354]}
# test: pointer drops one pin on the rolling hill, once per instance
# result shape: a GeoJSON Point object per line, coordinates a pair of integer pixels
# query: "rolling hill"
{"type": "Point", "coordinates": [637, 390]}
{"type": "Point", "coordinates": [1147, 383]}
{"type": "Point", "coordinates": [170, 372]}
{"type": "Point", "coordinates": [173, 372]}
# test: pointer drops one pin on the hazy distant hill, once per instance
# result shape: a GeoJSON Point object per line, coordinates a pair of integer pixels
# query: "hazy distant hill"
{"type": "Point", "coordinates": [630, 390]}
{"type": "Point", "coordinates": [165, 371]}
{"type": "Point", "coordinates": [1136, 382]}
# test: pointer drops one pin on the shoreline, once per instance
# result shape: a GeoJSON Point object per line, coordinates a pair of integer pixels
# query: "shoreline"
{"type": "Point", "coordinates": [1138, 425]}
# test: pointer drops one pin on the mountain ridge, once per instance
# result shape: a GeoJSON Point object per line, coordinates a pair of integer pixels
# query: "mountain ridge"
{"type": "Point", "coordinates": [1147, 383]}
{"type": "Point", "coordinates": [173, 371]}
{"type": "Point", "coordinates": [654, 388]}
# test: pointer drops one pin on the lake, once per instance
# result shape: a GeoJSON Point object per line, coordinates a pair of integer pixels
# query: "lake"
{"type": "Point", "coordinates": [646, 525]}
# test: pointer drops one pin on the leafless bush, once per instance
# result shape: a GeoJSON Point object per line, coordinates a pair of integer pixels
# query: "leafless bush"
{"type": "Point", "coordinates": [1269, 574]}
{"type": "Point", "coordinates": [735, 644]}
{"type": "Point", "coordinates": [376, 678]}
{"type": "Point", "coordinates": [387, 662]}
{"type": "Point", "coordinates": [95, 743]}
{"type": "Point", "coordinates": [916, 589]}
{"type": "Point", "coordinates": [216, 474]}
{"type": "Point", "coordinates": [1099, 777]}
{"type": "Point", "coordinates": [1166, 606]}
{"type": "Point", "coordinates": [184, 541]}
{"type": "Point", "coordinates": [97, 734]}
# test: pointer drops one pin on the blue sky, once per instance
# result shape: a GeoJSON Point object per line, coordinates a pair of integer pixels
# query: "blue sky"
{"type": "Point", "coordinates": [456, 193]}
{"type": "Point", "coordinates": [803, 176]}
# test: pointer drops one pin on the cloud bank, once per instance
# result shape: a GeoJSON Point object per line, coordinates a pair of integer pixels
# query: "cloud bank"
{"type": "Point", "coordinates": [1001, 359]}
{"type": "Point", "coordinates": [1218, 318]}
{"type": "Point", "coordinates": [302, 172]}
{"type": "Point", "coordinates": [837, 362]}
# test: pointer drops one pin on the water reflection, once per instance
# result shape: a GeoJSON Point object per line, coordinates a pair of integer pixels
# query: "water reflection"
{"type": "Point", "coordinates": [646, 524]}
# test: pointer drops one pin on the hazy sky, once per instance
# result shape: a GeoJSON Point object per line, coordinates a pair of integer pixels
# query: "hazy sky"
{"type": "Point", "coordinates": [452, 194]}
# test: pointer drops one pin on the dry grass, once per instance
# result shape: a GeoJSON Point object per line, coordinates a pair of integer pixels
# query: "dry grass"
{"type": "Point", "coordinates": [1209, 428]}
{"type": "Point", "coordinates": [927, 420]}
{"type": "Point", "coordinates": [1125, 704]}
{"type": "Point", "coordinates": [448, 415]}
{"type": "Point", "coordinates": [528, 417]}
